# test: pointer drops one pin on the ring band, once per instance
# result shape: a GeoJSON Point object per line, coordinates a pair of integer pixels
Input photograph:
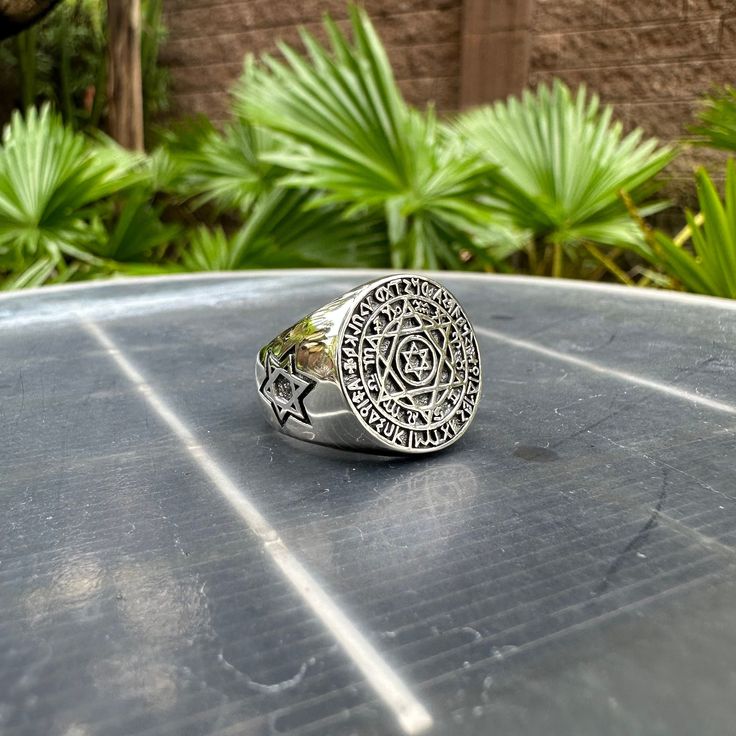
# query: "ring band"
{"type": "Point", "coordinates": [391, 367]}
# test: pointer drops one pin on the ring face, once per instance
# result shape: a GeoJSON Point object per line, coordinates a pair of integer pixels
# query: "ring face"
{"type": "Point", "coordinates": [409, 364]}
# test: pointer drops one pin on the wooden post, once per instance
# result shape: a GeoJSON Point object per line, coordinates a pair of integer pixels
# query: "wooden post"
{"type": "Point", "coordinates": [124, 82]}
{"type": "Point", "coordinates": [496, 41]}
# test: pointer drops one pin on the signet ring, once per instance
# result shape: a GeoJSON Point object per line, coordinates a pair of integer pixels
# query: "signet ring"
{"type": "Point", "coordinates": [390, 367]}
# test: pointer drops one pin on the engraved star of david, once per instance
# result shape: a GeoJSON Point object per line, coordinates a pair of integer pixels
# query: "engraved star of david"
{"type": "Point", "coordinates": [423, 399]}
{"type": "Point", "coordinates": [416, 361]}
{"type": "Point", "coordinates": [285, 388]}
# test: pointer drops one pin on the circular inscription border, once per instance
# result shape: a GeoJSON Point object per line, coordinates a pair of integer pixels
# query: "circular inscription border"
{"type": "Point", "coordinates": [409, 364]}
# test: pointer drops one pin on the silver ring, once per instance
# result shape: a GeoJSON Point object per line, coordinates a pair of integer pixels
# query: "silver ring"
{"type": "Point", "coordinates": [390, 367]}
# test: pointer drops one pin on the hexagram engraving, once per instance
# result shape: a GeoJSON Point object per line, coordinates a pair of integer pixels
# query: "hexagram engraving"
{"type": "Point", "coordinates": [410, 365]}
{"type": "Point", "coordinates": [285, 388]}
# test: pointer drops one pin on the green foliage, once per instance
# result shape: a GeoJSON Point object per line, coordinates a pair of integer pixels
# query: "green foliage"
{"type": "Point", "coordinates": [51, 180]}
{"type": "Point", "coordinates": [711, 266]}
{"type": "Point", "coordinates": [135, 230]}
{"type": "Point", "coordinates": [63, 60]}
{"type": "Point", "coordinates": [221, 168]}
{"type": "Point", "coordinates": [717, 120]}
{"type": "Point", "coordinates": [284, 231]}
{"type": "Point", "coordinates": [323, 163]}
{"type": "Point", "coordinates": [562, 163]}
{"type": "Point", "coordinates": [71, 206]}
{"type": "Point", "coordinates": [211, 250]}
{"type": "Point", "coordinates": [284, 226]}
{"type": "Point", "coordinates": [350, 136]}
{"type": "Point", "coordinates": [154, 77]}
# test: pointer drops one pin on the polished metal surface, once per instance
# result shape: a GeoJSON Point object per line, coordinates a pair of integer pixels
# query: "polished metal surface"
{"type": "Point", "coordinates": [391, 367]}
{"type": "Point", "coordinates": [171, 566]}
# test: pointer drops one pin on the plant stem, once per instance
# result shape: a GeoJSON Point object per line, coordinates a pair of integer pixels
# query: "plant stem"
{"type": "Point", "coordinates": [557, 260]}
{"type": "Point", "coordinates": [601, 257]}
{"type": "Point", "coordinates": [684, 235]}
{"type": "Point", "coordinates": [601, 269]}
{"type": "Point", "coordinates": [532, 250]}
{"type": "Point", "coordinates": [26, 43]}
{"type": "Point", "coordinates": [646, 230]}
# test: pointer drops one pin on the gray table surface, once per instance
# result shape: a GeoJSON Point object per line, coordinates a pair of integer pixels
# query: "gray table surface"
{"type": "Point", "coordinates": [169, 565]}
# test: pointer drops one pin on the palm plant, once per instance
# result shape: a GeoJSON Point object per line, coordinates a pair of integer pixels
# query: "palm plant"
{"type": "Point", "coordinates": [284, 231]}
{"type": "Point", "coordinates": [562, 164]}
{"type": "Point", "coordinates": [711, 266]}
{"type": "Point", "coordinates": [226, 169]}
{"type": "Point", "coordinates": [350, 137]}
{"type": "Point", "coordinates": [717, 120]}
{"type": "Point", "coordinates": [284, 226]}
{"type": "Point", "coordinates": [135, 233]}
{"type": "Point", "coordinates": [210, 249]}
{"type": "Point", "coordinates": [52, 183]}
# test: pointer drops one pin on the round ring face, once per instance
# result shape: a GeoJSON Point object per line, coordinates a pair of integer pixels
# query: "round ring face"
{"type": "Point", "coordinates": [409, 364]}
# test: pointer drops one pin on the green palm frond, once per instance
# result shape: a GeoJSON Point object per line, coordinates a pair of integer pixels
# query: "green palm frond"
{"type": "Point", "coordinates": [562, 162]}
{"type": "Point", "coordinates": [284, 231]}
{"type": "Point", "coordinates": [209, 250]}
{"type": "Point", "coordinates": [225, 168]}
{"type": "Point", "coordinates": [51, 182]}
{"type": "Point", "coordinates": [711, 266]}
{"type": "Point", "coordinates": [717, 120]}
{"type": "Point", "coordinates": [137, 232]}
{"type": "Point", "coordinates": [36, 274]}
{"type": "Point", "coordinates": [350, 136]}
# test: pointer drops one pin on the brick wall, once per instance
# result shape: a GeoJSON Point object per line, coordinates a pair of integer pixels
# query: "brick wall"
{"type": "Point", "coordinates": [208, 39]}
{"type": "Point", "coordinates": [652, 59]}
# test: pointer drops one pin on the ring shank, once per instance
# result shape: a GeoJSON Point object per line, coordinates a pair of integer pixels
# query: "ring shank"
{"type": "Point", "coordinates": [314, 343]}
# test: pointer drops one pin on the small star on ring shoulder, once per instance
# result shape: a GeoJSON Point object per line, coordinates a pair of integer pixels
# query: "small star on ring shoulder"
{"type": "Point", "coordinates": [285, 388]}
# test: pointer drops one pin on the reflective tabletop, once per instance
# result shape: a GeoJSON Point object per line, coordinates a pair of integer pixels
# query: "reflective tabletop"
{"type": "Point", "coordinates": [171, 565]}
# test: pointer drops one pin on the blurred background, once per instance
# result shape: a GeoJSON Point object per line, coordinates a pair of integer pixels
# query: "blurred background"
{"type": "Point", "coordinates": [586, 140]}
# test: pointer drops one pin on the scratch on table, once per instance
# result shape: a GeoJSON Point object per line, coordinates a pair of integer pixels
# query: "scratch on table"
{"type": "Point", "coordinates": [638, 539]}
{"type": "Point", "coordinates": [592, 425]}
{"type": "Point", "coordinates": [661, 463]}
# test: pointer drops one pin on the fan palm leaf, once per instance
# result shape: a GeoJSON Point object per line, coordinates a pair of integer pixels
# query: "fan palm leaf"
{"type": "Point", "coordinates": [225, 168]}
{"type": "Point", "coordinates": [284, 231]}
{"type": "Point", "coordinates": [716, 125]}
{"type": "Point", "coordinates": [562, 163]}
{"type": "Point", "coordinates": [350, 135]}
{"type": "Point", "coordinates": [137, 231]}
{"type": "Point", "coordinates": [51, 183]}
